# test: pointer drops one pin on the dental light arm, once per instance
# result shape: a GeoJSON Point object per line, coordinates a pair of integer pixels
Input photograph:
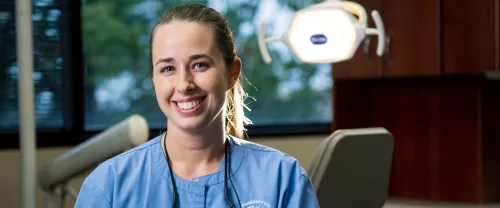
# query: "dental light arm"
{"type": "Point", "coordinates": [352, 7]}
{"type": "Point", "coordinates": [327, 32]}
{"type": "Point", "coordinates": [263, 41]}
{"type": "Point", "coordinates": [129, 133]}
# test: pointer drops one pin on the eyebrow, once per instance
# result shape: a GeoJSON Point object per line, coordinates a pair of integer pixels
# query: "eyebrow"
{"type": "Point", "coordinates": [192, 57]}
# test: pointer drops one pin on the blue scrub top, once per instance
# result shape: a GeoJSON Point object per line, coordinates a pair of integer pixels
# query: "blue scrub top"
{"type": "Point", "coordinates": [263, 178]}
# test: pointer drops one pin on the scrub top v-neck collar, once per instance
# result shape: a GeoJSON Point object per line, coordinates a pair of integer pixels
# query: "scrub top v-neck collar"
{"type": "Point", "coordinates": [197, 185]}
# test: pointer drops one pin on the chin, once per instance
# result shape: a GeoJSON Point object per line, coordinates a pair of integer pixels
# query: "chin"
{"type": "Point", "coordinates": [192, 124]}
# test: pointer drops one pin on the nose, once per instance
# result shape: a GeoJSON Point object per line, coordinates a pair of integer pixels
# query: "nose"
{"type": "Point", "coordinates": [185, 82]}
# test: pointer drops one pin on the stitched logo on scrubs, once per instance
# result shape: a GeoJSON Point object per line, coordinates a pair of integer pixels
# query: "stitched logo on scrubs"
{"type": "Point", "coordinates": [256, 204]}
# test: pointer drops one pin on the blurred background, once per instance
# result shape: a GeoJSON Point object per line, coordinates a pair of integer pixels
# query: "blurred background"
{"type": "Point", "coordinates": [436, 89]}
{"type": "Point", "coordinates": [91, 72]}
{"type": "Point", "coordinates": [115, 47]}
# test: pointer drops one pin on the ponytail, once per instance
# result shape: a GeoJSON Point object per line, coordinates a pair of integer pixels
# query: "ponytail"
{"type": "Point", "coordinates": [235, 116]}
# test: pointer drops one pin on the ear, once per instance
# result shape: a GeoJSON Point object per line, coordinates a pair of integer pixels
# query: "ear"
{"type": "Point", "coordinates": [235, 72]}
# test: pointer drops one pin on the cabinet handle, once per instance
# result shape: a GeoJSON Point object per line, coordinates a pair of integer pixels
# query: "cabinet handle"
{"type": "Point", "coordinates": [366, 50]}
{"type": "Point", "coordinates": [387, 52]}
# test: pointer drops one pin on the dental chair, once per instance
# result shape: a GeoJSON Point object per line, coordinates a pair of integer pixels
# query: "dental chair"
{"type": "Point", "coordinates": [351, 168]}
{"type": "Point", "coordinates": [53, 177]}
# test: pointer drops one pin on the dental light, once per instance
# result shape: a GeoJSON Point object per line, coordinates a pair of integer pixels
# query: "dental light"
{"type": "Point", "coordinates": [327, 32]}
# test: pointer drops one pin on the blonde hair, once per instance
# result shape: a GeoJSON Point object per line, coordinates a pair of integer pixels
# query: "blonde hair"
{"type": "Point", "coordinates": [235, 117]}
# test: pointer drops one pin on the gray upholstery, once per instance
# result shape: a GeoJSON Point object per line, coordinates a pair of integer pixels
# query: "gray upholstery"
{"type": "Point", "coordinates": [351, 168]}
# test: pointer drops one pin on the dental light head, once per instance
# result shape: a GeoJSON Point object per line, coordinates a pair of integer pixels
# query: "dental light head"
{"type": "Point", "coordinates": [327, 32]}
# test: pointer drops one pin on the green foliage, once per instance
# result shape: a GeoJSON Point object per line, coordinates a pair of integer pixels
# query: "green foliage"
{"type": "Point", "coordinates": [116, 44]}
{"type": "Point", "coordinates": [116, 35]}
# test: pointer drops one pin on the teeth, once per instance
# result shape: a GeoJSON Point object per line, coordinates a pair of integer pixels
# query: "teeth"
{"type": "Point", "coordinates": [188, 105]}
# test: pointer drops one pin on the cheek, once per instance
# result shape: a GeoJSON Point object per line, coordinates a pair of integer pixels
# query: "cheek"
{"type": "Point", "coordinates": [212, 83]}
{"type": "Point", "coordinates": [163, 86]}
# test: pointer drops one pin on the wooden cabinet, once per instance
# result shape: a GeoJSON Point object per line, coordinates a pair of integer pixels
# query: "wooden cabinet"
{"type": "Point", "coordinates": [470, 36]}
{"type": "Point", "coordinates": [446, 132]}
{"type": "Point", "coordinates": [429, 38]}
{"type": "Point", "coordinates": [413, 28]}
{"type": "Point", "coordinates": [437, 89]}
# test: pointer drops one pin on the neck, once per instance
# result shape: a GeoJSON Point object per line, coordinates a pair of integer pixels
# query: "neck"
{"type": "Point", "coordinates": [195, 154]}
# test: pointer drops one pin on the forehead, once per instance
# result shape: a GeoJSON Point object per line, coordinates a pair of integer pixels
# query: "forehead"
{"type": "Point", "coordinates": [179, 38]}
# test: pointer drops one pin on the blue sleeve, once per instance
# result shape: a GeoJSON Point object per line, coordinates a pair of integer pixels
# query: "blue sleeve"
{"type": "Point", "coordinates": [91, 196]}
{"type": "Point", "coordinates": [303, 194]}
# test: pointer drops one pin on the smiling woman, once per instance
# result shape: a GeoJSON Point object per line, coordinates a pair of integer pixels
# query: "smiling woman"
{"type": "Point", "coordinates": [201, 63]}
{"type": "Point", "coordinates": [285, 93]}
{"type": "Point", "coordinates": [202, 159]}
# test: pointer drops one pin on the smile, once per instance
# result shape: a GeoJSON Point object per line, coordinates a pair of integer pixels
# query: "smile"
{"type": "Point", "coordinates": [187, 106]}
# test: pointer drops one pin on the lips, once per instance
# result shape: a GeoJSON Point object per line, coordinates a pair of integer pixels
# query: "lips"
{"type": "Point", "coordinates": [189, 106]}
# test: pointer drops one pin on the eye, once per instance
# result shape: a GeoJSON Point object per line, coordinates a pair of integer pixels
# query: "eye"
{"type": "Point", "coordinates": [167, 69]}
{"type": "Point", "coordinates": [201, 66]}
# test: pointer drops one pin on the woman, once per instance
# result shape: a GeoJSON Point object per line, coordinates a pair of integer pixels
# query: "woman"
{"type": "Point", "coordinates": [201, 161]}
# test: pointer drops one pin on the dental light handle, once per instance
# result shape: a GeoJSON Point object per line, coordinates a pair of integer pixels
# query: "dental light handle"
{"type": "Point", "coordinates": [359, 11]}
{"type": "Point", "coordinates": [379, 31]}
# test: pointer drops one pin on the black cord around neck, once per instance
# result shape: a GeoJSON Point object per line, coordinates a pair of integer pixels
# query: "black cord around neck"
{"type": "Point", "coordinates": [170, 170]}
{"type": "Point", "coordinates": [227, 171]}
{"type": "Point", "coordinates": [225, 175]}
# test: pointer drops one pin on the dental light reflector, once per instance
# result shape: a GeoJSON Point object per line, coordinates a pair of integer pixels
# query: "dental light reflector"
{"type": "Point", "coordinates": [327, 32]}
{"type": "Point", "coordinates": [313, 42]}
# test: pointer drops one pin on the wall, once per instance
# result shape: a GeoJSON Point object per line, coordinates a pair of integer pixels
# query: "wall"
{"type": "Point", "coordinates": [300, 147]}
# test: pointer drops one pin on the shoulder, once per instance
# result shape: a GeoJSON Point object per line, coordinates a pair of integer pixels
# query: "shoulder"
{"type": "Point", "coordinates": [274, 172]}
{"type": "Point", "coordinates": [117, 173]}
{"type": "Point", "coordinates": [109, 172]}
{"type": "Point", "coordinates": [268, 157]}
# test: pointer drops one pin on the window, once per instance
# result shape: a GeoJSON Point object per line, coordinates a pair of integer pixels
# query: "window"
{"type": "Point", "coordinates": [47, 65]}
{"type": "Point", "coordinates": [116, 38]}
{"type": "Point", "coordinates": [108, 43]}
